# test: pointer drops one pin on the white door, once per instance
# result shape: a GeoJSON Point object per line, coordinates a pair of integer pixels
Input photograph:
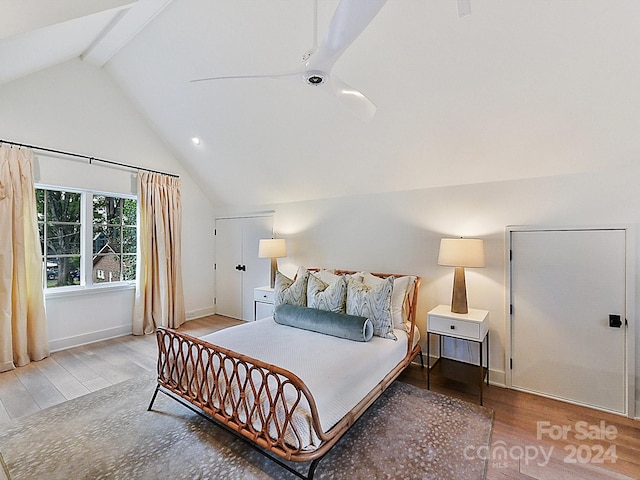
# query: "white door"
{"type": "Point", "coordinates": [565, 285]}
{"type": "Point", "coordinates": [257, 270]}
{"type": "Point", "coordinates": [228, 257]}
{"type": "Point", "coordinates": [238, 268]}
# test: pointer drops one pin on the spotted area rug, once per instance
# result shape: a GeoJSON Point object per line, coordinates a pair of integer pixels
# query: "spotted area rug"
{"type": "Point", "coordinates": [408, 433]}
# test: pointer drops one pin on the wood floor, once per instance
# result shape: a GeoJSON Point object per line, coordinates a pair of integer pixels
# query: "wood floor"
{"type": "Point", "coordinates": [533, 437]}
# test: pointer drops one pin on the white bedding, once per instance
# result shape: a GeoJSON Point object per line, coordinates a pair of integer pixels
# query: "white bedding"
{"type": "Point", "coordinates": [338, 372]}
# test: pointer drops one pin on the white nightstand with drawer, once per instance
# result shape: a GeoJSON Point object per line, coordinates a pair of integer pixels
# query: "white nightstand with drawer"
{"type": "Point", "coordinates": [263, 300]}
{"type": "Point", "coordinates": [472, 327]}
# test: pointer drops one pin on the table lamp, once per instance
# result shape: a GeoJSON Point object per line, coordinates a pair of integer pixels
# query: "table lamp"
{"type": "Point", "coordinates": [272, 248]}
{"type": "Point", "coordinates": [460, 253]}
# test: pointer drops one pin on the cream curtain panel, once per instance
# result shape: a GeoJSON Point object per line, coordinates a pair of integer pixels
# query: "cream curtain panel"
{"type": "Point", "coordinates": [23, 323]}
{"type": "Point", "coordinates": [159, 295]}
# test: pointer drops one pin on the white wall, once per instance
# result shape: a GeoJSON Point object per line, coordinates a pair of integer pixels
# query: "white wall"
{"type": "Point", "coordinates": [400, 232]}
{"type": "Point", "coordinates": [76, 107]}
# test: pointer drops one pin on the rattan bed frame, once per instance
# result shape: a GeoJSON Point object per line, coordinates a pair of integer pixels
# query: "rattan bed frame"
{"type": "Point", "coordinates": [186, 362]}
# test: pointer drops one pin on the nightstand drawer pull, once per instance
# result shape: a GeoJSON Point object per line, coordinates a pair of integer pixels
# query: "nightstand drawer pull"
{"type": "Point", "coordinates": [264, 295]}
{"type": "Point", "coordinates": [452, 327]}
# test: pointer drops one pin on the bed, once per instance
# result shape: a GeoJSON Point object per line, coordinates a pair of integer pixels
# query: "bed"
{"type": "Point", "coordinates": [290, 403]}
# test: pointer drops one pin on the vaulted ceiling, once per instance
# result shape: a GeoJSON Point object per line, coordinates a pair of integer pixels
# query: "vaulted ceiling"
{"type": "Point", "coordinates": [513, 90]}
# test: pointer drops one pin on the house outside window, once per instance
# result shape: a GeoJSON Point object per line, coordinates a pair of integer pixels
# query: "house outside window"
{"type": "Point", "coordinates": [87, 238]}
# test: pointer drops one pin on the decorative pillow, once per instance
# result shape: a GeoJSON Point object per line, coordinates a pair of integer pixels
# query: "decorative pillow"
{"type": "Point", "coordinates": [358, 276]}
{"type": "Point", "coordinates": [405, 305]}
{"type": "Point", "coordinates": [327, 276]}
{"type": "Point", "coordinates": [340, 325]}
{"type": "Point", "coordinates": [402, 288]}
{"type": "Point", "coordinates": [331, 297]}
{"type": "Point", "coordinates": [290, 291]}
{"type": "Point", "coordinates": [373, 303]}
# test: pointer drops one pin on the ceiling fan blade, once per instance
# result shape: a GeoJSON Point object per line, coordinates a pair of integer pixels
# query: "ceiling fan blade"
{"type": "Point", "coordinates": [236, 77]}
{"type": "Point", "coordinates": [349, 21]}
{"type": "Point", "coordinates": [353, 99]}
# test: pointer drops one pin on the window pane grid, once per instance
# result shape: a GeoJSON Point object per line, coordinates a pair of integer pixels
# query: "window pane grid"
{"type": "Point", "coordinates": [112, 238]}
{"type": "Point", "coordinates": [112, 244]}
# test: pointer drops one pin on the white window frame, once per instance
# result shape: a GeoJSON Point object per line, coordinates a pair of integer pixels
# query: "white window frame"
{"type": "Point", "coordinates": [86, 245]}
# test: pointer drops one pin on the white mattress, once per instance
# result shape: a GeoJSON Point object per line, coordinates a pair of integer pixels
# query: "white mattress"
{"type": "Point", "coordinates": [338, 372]}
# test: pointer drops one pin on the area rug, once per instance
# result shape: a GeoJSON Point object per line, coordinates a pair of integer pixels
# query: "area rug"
{"type": "Point", "coordinates": [408, 433]}
{"type": "Point", "coordinates": [4, 472]}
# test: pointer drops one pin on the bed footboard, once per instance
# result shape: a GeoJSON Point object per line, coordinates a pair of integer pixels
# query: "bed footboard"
{"type": "Point", "coordinates": [264, 403]}
{"type": "Point", "coordinates": [267, 405]}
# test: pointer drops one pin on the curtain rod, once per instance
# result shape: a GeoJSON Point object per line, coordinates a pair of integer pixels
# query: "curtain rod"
{"type": "Point", "coordinates": [86, 157]}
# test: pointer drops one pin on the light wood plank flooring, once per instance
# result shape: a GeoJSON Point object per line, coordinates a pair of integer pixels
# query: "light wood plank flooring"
{"type": "Point", "coordinates": [71, 373]}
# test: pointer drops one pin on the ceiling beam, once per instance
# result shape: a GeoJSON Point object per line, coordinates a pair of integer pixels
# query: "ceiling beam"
{"type": "Point", "coordinates": [25, 16]}
{"type": "Point", "coordinates": [126, 26]}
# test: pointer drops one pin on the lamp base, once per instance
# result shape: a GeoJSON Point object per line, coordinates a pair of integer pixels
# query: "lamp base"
{"type": "Point", "coordinates": [459, 297]}
{"type": "Point", "coordinates": [274, 268]}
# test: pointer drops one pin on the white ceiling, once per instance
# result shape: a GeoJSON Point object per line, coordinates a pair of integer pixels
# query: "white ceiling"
{"type": "Point", "coordinates": [514, 90]}
{"type": "Point", "coordinates": [37, 34]}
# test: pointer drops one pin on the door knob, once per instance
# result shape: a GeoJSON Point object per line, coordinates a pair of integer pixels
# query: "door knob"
{"type": "Point", "coordinates": [615, 321]}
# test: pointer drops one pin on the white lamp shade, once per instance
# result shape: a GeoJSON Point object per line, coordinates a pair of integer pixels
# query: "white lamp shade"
{"type": "Point", "coordinates": [461, 252]}
{"type": "Point", "coordinates": [272, 248]}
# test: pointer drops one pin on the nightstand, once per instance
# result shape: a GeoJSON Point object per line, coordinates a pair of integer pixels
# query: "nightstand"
{"type": "Point", "coordinates": [472, 327]}
{"type": "Point", "coordinates": [263, 299]}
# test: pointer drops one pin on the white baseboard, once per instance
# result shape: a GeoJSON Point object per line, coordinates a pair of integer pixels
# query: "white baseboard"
{"type": "Point", "coordinates": [86, 338]}
{"type": "Point", "coordinates": [498, 378]}
{"type": "Point", "coordinates": [201, 312]}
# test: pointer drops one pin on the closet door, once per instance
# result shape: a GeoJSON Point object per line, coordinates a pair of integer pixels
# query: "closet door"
{"type": "Point", "coordinates": [228, 255]}
{"type": "Point", "coordinates": [238, 268]}
{"type": "Point", "coordinates": [568, 290]}
{"type": "Point", "coordinates": [256, 273]}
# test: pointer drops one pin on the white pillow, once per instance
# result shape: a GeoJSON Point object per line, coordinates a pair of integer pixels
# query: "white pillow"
{"type": "Point", "coordinates": [327, 276]}
{"type": "Point", "coordinates": [358, 276]}
{"type": "Point", "coordinates": [402, 288]}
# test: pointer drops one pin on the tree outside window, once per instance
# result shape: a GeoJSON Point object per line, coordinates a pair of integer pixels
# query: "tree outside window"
{"type": "Point", "coordinates": [59, 214]}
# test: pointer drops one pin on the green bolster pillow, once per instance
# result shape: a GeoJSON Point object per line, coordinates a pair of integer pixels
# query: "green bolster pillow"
{"type": "Point", "coordinates": [340, 325]}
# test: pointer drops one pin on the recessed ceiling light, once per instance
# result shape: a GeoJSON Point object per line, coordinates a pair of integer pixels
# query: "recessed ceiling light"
{"type": "Point", "coordinates": [195, 140]}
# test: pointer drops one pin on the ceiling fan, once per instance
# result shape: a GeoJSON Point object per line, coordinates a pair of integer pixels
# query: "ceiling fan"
{"type": "Point", "coordinates": [349, 21]}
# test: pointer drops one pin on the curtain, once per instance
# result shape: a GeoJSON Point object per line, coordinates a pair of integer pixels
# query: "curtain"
{"type": "Point", "coordinates": [159, 295]}
{"type": "Point", "coordinates": [23, 323]}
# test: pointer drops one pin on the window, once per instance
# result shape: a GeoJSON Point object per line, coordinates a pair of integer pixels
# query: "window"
{"type": "Point", "coordinates": [59, 222]}
{"type": "Point", "coordinates": [114, 239]}
{"type": "Point", "coordinates": [76, 251]}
